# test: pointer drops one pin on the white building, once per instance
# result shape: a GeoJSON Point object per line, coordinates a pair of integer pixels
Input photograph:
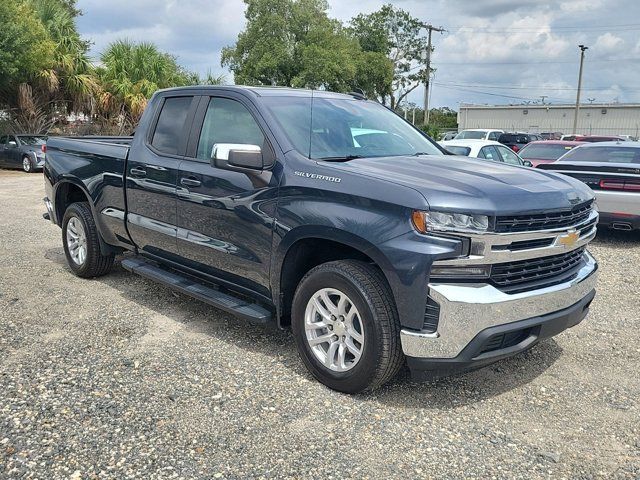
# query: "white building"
{"type": "Point", "coordinates": [593, 119]}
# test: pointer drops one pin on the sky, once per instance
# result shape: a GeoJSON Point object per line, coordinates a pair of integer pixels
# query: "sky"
{"type": "Point", "coordinates": [493, 52]}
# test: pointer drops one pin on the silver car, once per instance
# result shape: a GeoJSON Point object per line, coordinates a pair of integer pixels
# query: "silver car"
{"type": "Point", "coordinates": [22, 151]}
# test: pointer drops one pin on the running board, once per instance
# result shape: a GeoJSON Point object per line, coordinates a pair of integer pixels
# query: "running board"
{"type": "Point", "coordinates": [236, 306]}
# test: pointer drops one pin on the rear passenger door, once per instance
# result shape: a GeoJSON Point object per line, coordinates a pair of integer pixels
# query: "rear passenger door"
{"type": "Point", "coordinates": [225, 217]}
{"type": "Point", "coordinates": [152, 177]}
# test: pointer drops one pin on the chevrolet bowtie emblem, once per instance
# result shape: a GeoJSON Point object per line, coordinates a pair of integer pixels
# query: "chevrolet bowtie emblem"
{"type": "Point", "coordinates": [568, 239]}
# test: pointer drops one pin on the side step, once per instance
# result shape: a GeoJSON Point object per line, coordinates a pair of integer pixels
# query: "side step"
{"type": "Point", "coordinates": [236, 306]}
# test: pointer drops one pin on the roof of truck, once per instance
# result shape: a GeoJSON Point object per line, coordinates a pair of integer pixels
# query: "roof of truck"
{"type": "Point", "coordinates": [268, 91]}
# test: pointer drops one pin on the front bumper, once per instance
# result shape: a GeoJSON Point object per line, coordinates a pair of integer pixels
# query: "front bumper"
{"type": "Point", "coordinates": [468, 310]}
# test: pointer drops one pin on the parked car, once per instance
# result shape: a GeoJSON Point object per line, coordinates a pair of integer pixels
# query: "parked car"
{"type": "Point", "coordinates": [628, 138]}
{"type": "Point", "coordinates": [258, 202]}
{"type": "Point", "coordinates": [598, 138]}
{"type": "Point", "coordinates": [545, 151]}
{"type": "Point", "coordinates": [515, 141]}
{"type": "Point", "coordinates": [22, 151]}
{"type": "Point", "coordinates": [478, 134]}
{"type": "Point", "coordinates": [551, 135]}
{"type": "Point", "coordinates": [570, 137]}
{"type": "Point", "coordinates": [484, 149]}
{"type": "Point", "coordinates": [612, 170]}
{"type": "Point", "coordinates": [448, 136]}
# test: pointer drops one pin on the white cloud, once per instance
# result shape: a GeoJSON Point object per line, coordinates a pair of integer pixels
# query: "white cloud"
{"type": "Point", "coordinates": [608, 43]}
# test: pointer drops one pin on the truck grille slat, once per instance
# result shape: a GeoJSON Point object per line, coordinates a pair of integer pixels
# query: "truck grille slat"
{"type": "Point", "coordinates": [544, 221]}
{"type": "Point", "coordinates": [516, 275]}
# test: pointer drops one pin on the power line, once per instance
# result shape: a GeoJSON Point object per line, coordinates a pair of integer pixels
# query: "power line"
{"type": "Point", "coordinates": [444, 85]}
{"type": "Point", "coordinates": [567, 28]}
{"type": "Point", "coordinates": [536, 87]}
{"type": "Point", "coordinates": [549, 62]}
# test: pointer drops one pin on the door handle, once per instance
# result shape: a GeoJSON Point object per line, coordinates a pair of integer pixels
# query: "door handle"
{"type": "Point", "coordinates": [190, 182]}
{"type": "Point", "coordinates": [138, 172]}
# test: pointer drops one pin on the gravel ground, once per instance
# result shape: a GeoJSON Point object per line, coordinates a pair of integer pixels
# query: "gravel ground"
{"type": "Point", "coordinates": [121, 378]}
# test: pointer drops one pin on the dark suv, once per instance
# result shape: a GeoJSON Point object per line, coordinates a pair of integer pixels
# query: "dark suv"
{"type": "Point", "coordinates": [515, 141]}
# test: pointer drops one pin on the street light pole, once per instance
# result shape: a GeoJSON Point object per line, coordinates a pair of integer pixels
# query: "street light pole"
{"type": "Point", "coordinates": [575, 115]}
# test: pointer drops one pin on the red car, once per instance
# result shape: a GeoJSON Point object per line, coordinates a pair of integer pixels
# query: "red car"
{"type": "Point", "coordinates": [546, 151]}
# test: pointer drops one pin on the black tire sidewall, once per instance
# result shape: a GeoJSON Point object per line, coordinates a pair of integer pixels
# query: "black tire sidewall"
{"type": "Point", "coordinates": [359, 377]}
{"type": "Point", "coordinates": [30, 165]}
{"type": "Point", "coordinates": [74, 211]}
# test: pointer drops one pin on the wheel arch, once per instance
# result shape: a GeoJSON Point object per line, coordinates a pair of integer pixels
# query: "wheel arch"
{"type": "Point", "coordinates": [69, 191]}
{"type": "Point", "coordinates": [306, 247]}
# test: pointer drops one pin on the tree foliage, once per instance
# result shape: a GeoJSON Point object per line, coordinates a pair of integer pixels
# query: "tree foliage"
{"type": "Point", "coordinates": [25, 47]}
{"type": "Point", "coordinates": [294, 43]}
{"type": "Point", "coordinates": [396, 34]}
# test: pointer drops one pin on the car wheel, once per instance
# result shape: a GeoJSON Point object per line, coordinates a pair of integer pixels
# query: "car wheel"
{"type": "Point", "coordinates": [80, 239]}
{"type": "Point", "coordinates": [27, 164]}
{"type": "Point", "coordinates": [346, 326]}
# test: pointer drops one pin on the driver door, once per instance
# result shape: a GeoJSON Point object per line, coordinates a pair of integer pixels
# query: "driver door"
{"type": "Point", "coordinates": [225, 217]}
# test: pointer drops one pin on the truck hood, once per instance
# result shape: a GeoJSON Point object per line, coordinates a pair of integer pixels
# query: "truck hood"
{"type": "Point", "coordinates": [455, 183]}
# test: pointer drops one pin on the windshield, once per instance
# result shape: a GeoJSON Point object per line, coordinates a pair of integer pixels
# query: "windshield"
{"type": "Point", "coordinates": [471, 135]}
{"type": "Point", "coordinates": [341, 128]}
{"type": "Point", "coordinates": [544, 152]}
{"type": "Point", "coordinates": [603, 154]}
{"type": "Point", "coordinates": [32, 140]}
{"type": "Point", "coordinates": [457, 150]}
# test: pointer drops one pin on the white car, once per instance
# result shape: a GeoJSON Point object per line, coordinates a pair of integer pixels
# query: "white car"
{"type": "Point", "coordinates": [478, 134]}
{"type": "Point", "coordinates": [486, 149]}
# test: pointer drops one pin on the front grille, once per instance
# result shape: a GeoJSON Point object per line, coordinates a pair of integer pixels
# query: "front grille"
{"type": "Point", "coordinates": [525, 244]}
{"type": "Point", "coordinates": [544, 221]}
{"type": "Point", "coordinates": [431, 316]}
{"type": "Point", "coordinates": [505, 340]}
{"type": "Point", "coordinates": [542, 272]}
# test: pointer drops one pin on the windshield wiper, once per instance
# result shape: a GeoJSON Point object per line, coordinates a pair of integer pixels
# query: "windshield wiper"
{"type": "Point", "coordinates": [343, 158]}
{"type": "Point", "coordinates": [419, 154]}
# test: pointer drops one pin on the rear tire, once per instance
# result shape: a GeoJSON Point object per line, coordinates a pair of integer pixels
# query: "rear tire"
{"type": "Point", "coordinates": [81, 242]}
{"type": "Point", "coordinates": [27, 164]}
{"type": "Point", "coordinates": [372, 344]}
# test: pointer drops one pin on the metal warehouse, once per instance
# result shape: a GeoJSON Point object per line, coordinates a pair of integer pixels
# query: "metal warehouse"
{"type": "Point", "coordinates": [593, 119]}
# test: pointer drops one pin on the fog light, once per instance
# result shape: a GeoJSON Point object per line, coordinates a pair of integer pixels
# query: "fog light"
{"type": "Point", "coordinates": [472, 272]}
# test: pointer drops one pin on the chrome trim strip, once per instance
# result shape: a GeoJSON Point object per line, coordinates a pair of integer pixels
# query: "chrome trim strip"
{"type": "Point", "coordinates": [482, 245]}
{"type": "Point", "coordinates": [467, 309]}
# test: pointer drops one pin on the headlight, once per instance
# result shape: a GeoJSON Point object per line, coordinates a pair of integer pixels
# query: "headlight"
{"type": "Point", "coordinates": [425, 222]}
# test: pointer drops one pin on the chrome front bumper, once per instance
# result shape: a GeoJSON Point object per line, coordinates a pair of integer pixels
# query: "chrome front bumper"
{"type": "Point", "coordinates": [467, 309]}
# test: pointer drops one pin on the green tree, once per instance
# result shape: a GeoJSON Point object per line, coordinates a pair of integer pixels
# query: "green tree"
{"type": "Point", "coordinates": [132, 72]}
{"type": "Point", "coordinates": [25, 47]}
{"type": "Point", "coordinates": [395, 33]}
{"type": "Point", "coordinates": [294, 43]}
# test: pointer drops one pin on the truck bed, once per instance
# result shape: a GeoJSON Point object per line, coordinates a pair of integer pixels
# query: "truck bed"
{"type": "Point", "coordinates": [113, 147]}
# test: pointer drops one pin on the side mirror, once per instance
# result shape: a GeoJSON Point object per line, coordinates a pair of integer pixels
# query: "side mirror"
{"type": "Point", "coordinates": [527, 163]}
{"type": "Point", "coordinates": [237, 156]}
{"type": "Point", "coordinates": [12, 143]}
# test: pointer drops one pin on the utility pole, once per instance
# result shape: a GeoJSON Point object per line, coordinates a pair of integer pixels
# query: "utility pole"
{"type": "Point", "coordinates": [430, 28]}
{"type": "Point", "coordinates": [575, 115]}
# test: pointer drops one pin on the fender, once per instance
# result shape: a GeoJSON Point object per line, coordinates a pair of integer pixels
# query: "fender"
{"type": "Point", "coordinates": [105, 248]}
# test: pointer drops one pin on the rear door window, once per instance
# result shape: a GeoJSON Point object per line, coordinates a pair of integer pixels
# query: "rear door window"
{"type": "Point", "coordinates": [508, 156]}
{"type": "Point", "coordinates": [489, 152]}
{"type": "Point", "coordinates": [169, 133]}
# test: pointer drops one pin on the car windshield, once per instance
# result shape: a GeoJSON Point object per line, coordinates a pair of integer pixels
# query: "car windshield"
{"type": "Point", "coordinates": [458, 150]}
{"type": "Point", "coordinates": [603, 154]}
{"type": "Point", "coordinates": [32, 140]}
{"type": "Point", "coordinates": [471, 135]}
{"type": "Point", "coordinates": [341, 128]}
{"type": "Point", "coordinates": [544, 152]}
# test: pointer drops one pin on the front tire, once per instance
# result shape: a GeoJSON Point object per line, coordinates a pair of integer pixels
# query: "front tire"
{"type": "Point", "coordinates": [27, 164]}
{"type": "Point", "coordinates": [346, 326]}
{"type": "Point", "coordinates": [81, 242]}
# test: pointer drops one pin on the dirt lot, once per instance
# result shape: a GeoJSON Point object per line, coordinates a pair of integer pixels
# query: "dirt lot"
{"type": "Point", "coordinates": [121, 378]}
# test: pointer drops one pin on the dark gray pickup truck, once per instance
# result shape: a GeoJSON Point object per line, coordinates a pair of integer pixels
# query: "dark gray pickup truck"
{"type": "Point", "coordinates": [330, 215]}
